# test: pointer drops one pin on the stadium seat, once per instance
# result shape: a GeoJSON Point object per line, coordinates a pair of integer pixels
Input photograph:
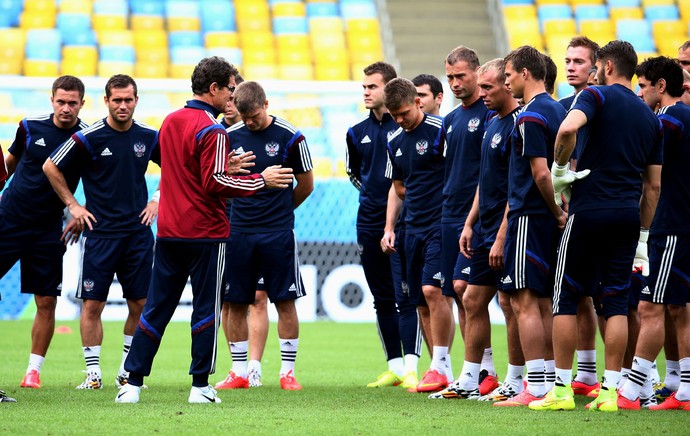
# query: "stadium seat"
{"type": "Point", "coordinates": [336, 72]}
{"type": "Point", "coordinates": [232, 55]}
{"type": "Point", "coordinates": [218, 16]}
{"type": "Point", "coordinates": [37, 20]}
{"type": "Point", "coordinates": [289, 9]}
{"type": "Point", "coordinates": [185, 39]}
{"type": "Point", "coordinates": [525, 32]}
{"type": "Point", "coordinates": [586, 27]}
{"type": "Point", "coordinates": [646, 3]}
{"type": "Point", "coordinates": [626, 13]}
{"type": "Point", "coordinates": [12, 48]}
{"type": "Point", "coordinates": [75, 29]}
{"type": "Point", "coordinates": [668, 45]}
{"type": "Point", "coordinates": [258, 56]}
{"type": "Point", "coordinates": [10, 10]}
{"type": "Point", "coordinates": [257, 40]}
{"type": "Point", "coordinates": [79, 68]}
{"type": "Point", "coordinates": [80, 53]}
{"type": "Point", "coordinates": [322, 9]}
{"type": "Point", "coordinates": [260, 72]}
{"type": "Point", "coordinates": [110, 68]}
{"type": "Point", "coordinates": [75, 6]}
{"type": "Point", "coordinates": [623, 3]}
{"type": "Point", "coordinates": [116, 53]}
{"type": "Point", "coordinates": [180, 71]}
{"type": "Point", "coordinates": [296, 71]}
{"type": "Point", "coordinates": [187, 55]}
{"type": "Point", "coordinates": [517, 2]}
{"type": "Point", "coordinates": [519, 12]}
{"type": "Point", "coordinates": [47, 6]}
{"type": "Point", "coordinates": [150, 39]}
{"type": "Point", "coordinates": [556, 45]}
{"type": "Point", "coordinates": [287, 43]}
{"type": "Point", "coordinates": [111, 7]}
{"type": "Point", "coordinates": [115, 37]}
{"type": "Point", "coordinates": [108, 22]}
{"type": "Point", "coordinates": [146, 22]}
{"type": "Point", "coordinates": [290, 25]}
{"type": "Point", "coordinates": [541, 3]}
{"type": "Point", "coordinates": [151, 70]}
{"type": "Point", "coordinates": [319, 25]}
{"type": "Point", "coordinates": [40, 68]}
{"type": "Point", "coordinates": [559, 27]}
{"type": "Point", "coordinates": [637, 32]}
{"type": "Point", "coordinates": [357, 9]}
{"type": "Point", "coordinates": [575, 3]}
{"type": "Point", "coordinates": [44, 45]}
{"type": "Point", "coordinates": [148, 7]}
{"type": "Point", "coordinates": [153, 55]}
{"type": "Point", "coordinates": [668, 28]}
{"type": "Point", "coordinates": [684, 9]}
{"type": "Point", "coordinates": [367, 25]}
{"type": "Point", "coordinates": [661, 12]}
{"type": "Point", "coordinates": [298, 57]}
{"type": "Point", "coordinates": [554, 12]}
{"type": "Point", "coordinates": [221, 39]}
{"type": "Point", "coordinates": [252, 15]}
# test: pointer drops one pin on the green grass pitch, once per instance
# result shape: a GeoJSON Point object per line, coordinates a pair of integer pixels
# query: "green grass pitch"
{"type": "Point", "coordinates": [334, 363]}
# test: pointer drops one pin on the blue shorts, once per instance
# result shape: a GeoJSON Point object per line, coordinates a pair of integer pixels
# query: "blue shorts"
{"type": "Point", "coordinates": [597, 252]}
{"type": "Point", "coordinates": [40, 252]}
{"type": "Point", "coordinates": [376, 265]}
{"type": "Point", "coordinates": [402, 291]}
{"type": "Point", "coordinates": [530, 253]}
{"type": "Point", "coordinates": [131, 258]}
{"type": "Point", "coordinates": [638, 285]}
{"type": "Point", "coordinates": [423, 262]}
{"type": "Point", "coordinates": [272, 256]}
{"type": "Point", "coordinates": [669, 263]}
{"type": "Point", "coordinates": [481, 273]}
{"type": "Point", "coordinates": [454, 264]}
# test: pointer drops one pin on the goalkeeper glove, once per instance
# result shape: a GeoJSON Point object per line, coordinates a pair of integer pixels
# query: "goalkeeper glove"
{"type": "Point", "coordinates": [562, 178]}
{"type": "Point", "coordinates": [641, 262]}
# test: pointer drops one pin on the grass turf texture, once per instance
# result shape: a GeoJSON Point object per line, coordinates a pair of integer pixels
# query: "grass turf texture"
{"type": "Point", "coordinates": [334, 363]}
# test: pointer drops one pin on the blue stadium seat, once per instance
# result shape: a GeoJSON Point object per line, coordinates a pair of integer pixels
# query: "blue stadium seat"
{"type": "Point", "coordinates": [287, 25]}
{"type": "Point", "coordinates": [591, 12]}
{"type": "Point", "coordinates": [181, 8]}
{"type": "Point", "coordinates": [43, 44]}
{"type": "Point", "coordinates": [232, 55]}
{"type": "Point", "coordinates": [218, 16]}
{"type": "Point", "coordinates": [357, 9]}
{"type": "Point", "coordinates": [9, 12]}
{"type": "Point", "coordinates": [147, 7]}
{"type": "Point", "coordinates": [662, 12]}
{"type": "Point", "coordinates": [563, 89]}
{"type": "Point", "coordinates": [29, 101]}
{"type": "Point", "coordinates": [623, 3]}
{"type": "Point", "coordinates": [116, 53]}
{"type": "Point", "coordinates": [75, 29]}
{"type": "Point", "coordinates": [322, 9]}
{"type": "Point", "coordinates": [554, 12]}
{"type": "Point", "coordinates": [185, 39]}
{"type": "Point", "coordinates": [638, 33]}
{"type": "Point", "coordinates": [111, 7]}
{"type": "Point", "coordinates": [187, 55]}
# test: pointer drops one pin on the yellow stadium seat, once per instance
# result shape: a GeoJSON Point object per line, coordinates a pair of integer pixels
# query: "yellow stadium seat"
{"type": "Point", "coordinates": [668, 28]}
{"type": "Point", "coordinates": [625, 13]}
{"type": "Point", "coordinates": [147, 39]}
{"type": "Point", "coordinates": [292, 42]}
{"type": "Point", "coordinates": [325, 24]}
{"type": "Point", "coordinates": [76, 6]}
{"type": "Point", "coordinates": [366, 56]}
{"type": "Point", "coordinates": [253, 24]}
{"type": "Point", "coordinates": [176, 24]}
{"type": "Point", "coordinates": [559, 27]}
{"type": "Point", "coordinates": [256, 40]}
{"type": "Point", "coordinates": [260, 71]}
{"type": "Point", "coordinates": [153, 55]}
{"type": "Point", "coordinates": [646, 3]}
{"type": "Point", "coordinates": [289, 9]}
{"type": "Point", "coordinates": [332, 72]}
{"type": "Point", "coordinates": [11, 66]}
{"type": "Point", "coordinates": [684, 9]}
{"type": "Point", "coordinates": [327, 41]}
{"type": "Point", "coordinates": [357, 69]}
{"type": "Point", "coordinates": [151, 70]}
{"type": "Point", "coordinates": [80, 53]}
{"type": "Point", "coordinates": [357, 42]}
{"type": "Point", "coordinates": [524, 32]}
{"type": "Point", "coordinates": [222, 40]}
{"type": "Point", "coordinates": [288, 57]}
{"type": "Point", "coordinates": [78, 68]}
{"type": "Point", "coordinates": [519, 12]}
{"type": "Point", "coordinates": [335, 57]}
{"type": "Point", "coordinates": [37, 20]}
{"type": "Point", "coordinates": [669, 45]}
{"type": "Point", "coordinates": [258, 56]}
{"type": "Point", "coordinates": [12, 45]}
{"type": "Point", "coordinates": [146, 22]}
{"type": "Point", "coordinates": [47, 6]}
{"type": "Point", "coordinates": [178, 71]}
{"type": "Point", "coordinates": [549, 2]}
{"type": "Point", "coordinates": [602, 38]}
{"type": "Point", "coordinates": [102, 22]}
{"type": "Point", "coordinates": [110, 68]}
{"type": "Point", "coordinates": [597, 26]}
{"type": "Point", "coordinates": [323, 167]}
{"type": "Point", "coordinates": [367, 25]}
{"type": "Point", "coordinates": [556, 45]}
{"type": "Point", "coordinates": [36, 68]}
{"type": "Point", "coordinates": [115, 37]}
{"type": "Point", "coordinates": [304, 116]}
{"type": "Point", "coordinates": [296, 72]}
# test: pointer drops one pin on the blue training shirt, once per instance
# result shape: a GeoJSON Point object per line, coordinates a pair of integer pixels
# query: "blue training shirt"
{"type": "Point", "coordinates": [534, 135]}
{"type": "Point", "coordinates": [464, 129]}
{"type": "Point", "coordinates": [365, 163]}
{"type": "Point", "coordinates": [624, 136]}
{"type": "Point", "coordinates": [673, 209]}
{"type": "Point", "coordinates": [113, 167]}
{"type": "Point", "coordinates": [268, 210]}
{"type": "Point", "coordinates": [29, 198]}
{"type": "Point", "coordinates": [416, 158]}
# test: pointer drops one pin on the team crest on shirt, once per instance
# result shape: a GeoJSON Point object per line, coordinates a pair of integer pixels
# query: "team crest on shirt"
{"type": "Point", "coordinates": [422, 146]}
{"type": "Point", "coordinates": [88, 285]}
{"type": "Point", "coordinates": [272, 149]}
{"type": "Point", "coordinates": [473, 124]}
{"type": "Point", "coordinates": [496, 140]}
{"type": "Point", "coordinates": [139, 149]}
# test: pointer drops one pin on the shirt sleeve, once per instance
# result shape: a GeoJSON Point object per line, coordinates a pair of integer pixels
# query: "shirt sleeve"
{"type": "Point", "coordinates": [533, 129]}
{"type": "Point", "coordinates": [298, 157]}
{"type": "Point", "coordinates": [20, 139]}
{"type": "Point", "coordinates": [67, 152]}
{"type": "Point", "coordinates": [665, 136]}
{"type": "Point", "coordinates": [393, 171]}
{"type": "Point", "coordinates": [589, 101]}
{"type": "Point", "coordinates": [3, 170]}
{"type": "Point", "coordinates": [353, 161]}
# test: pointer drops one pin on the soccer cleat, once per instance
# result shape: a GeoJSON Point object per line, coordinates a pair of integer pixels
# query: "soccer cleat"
{"type": "Point", "coordinates": [432, 381]}
{"type": "Point", "coordinates": [128, 394]}
{"type": "Point", "coordinates": [661, 392]}
{"type": "Point", "coordinates": [233, 381]}
{"type": "Point", "coordinates": [580, 388]}
{"type": "Point", "coordinates": [610, 401]}
{"type": "Point", "coordinates": [32, 379]}
{"type": "Point", "coordinates": [254, 377]}
{"type": "Point", "coordinates": [501, 393]}
{"type": "Point", "coordinates": [121, 379]}
{"type": "Point", "coordinates": [388, 378]}
{"type": "Point", "coordinates": [410, 381]}
{"type": "Point", "coordinates": [288, 382]}
{"type": "Point", "coordinates": [558, 398]}
{"type": "Point", "coordinates": [487, 382]}
{"type": "Point", "coordinates": [454, 391]}
{"type": "Point", "coordinates": [594, 392]}
{"type": "Point", "coordinates": [5, 399]}
{"type": "Point", "coordinates": [521, 399]}
{"type": "Point", "coordinates": [203, 395]}
{"type": "Point", "coordinates": [93, 381]}
{"type": "Point", "coordinates": [672, 403]}
{"type": "Point", "coordinates": [646, 403]}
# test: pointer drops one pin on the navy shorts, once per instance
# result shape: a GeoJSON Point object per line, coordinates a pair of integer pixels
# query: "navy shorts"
{"type": "Point", "coordinates": [272, 256]}
{"type": "Point", "coordinates": [454, 264]}
{"type": "Point", "coordinates": [376, 265]}
{"type": "Point", "coordinates": [669, 263]}
{"type": "Point", "coordinates": [130, 257]}
{"type": "Point", "coordinates": [597, 252]}
{"type": "Point", "coordinates": [398, 268]}
{"type": "Point", "coordinates": [40, 252]}
{"type": "Point", "coordinates": [530, 253]}
{"type": "Point", "coordinates": [481, 273]}
{"type": "Point", "coordinates": [423, 262]}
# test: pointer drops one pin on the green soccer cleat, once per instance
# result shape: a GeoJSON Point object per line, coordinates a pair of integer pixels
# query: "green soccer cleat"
{"type": "Point", "coordinates": [410, 381]}
{"type": "Point", "coordinates": [607, 401]}
{"type": "Point", "coordinates": [388, 378]}
{"type": "Point", "coordinates": [559, 398]}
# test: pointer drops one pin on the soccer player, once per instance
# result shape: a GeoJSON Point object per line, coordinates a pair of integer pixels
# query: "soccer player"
{"type": "Point", "coordinates": [262, 241]}
{"type": "Point", "coordinates": [661, 83]}
{"type": "Point", "coordinates": [551, 74]}
{"type": "Point", "coordinates": [230, 115]}
{"type": "Point", "coordinates": [365, 163]}
{"type": "Point", "coordinates": [534, 217]}
{"type": "Point", "coordinates": [31, 213]}
{"type": "Point", "coordinates": [193, 227]}
{"type": "Point", "coordinates": [415, 153]}
{"type": "Point", "coordinates": [112, 156]}
{"type": "Point", "coordinates": [580, 56]}
{"type": "Point", "coordinates": [463, 128]}
{"type": "Point", "coordinates": [430, 93]}
{"type": "Point", "coordinates": [684, 55]}
{"type": "Point", "coordinates": [623, 153]}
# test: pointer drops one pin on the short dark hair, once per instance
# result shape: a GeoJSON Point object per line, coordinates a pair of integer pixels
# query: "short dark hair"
{"type": "Point", "coordinates": [462, 53]}
{"type": "Point", "coordinates": [622, 55]}
{"type": "Point", "coordinates": [685, 46]}
{"type": "Point", "coordinates": [399, 92]}
{"type": "Point", "coordinates": [238, 78]}
{"type": "Point", "coordinates": [387, 71]}
{"type": "Point", "coordinates": [119, 81]}
{"type": "Point", "coordinates": [249, 96]}
{"type": "Point", "coordinates": [662, 67]}
{"type": "Point", "coordinates": [529, 58]}
{"type": "Point", "coordinates": [583, 41]}
{"type": "Point", "coordinates": [427, 79]}
{"type": "Point", "coordinates": [69, 83]}
{"type": "Point", "coordinates": [211, 70]}
{"type": "Point", "coordinates": [551, 74]}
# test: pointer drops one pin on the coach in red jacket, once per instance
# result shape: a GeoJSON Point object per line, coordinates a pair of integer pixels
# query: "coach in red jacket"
{"type": "Point", "coordinates": [196, 177]}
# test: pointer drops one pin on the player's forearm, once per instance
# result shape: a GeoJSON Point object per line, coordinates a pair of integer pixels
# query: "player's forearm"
{"type": "Point", "coordinates": [10, 164]}
{"type": "Point", "coordinates": [304, 187]}
{"type": "Point", "coordinates": [392, 209]}
{"type": "Point", "coordinates": [473, 216]}
{"type": "Point", "coordinates": [651, 190]}
{"type": "Point", "coordinates": [58, 182]}
{"type": "Point", "coordinates": [542, 178]}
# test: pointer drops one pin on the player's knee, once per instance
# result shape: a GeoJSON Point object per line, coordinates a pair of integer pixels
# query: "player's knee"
{"type": "Point", "coordinates": [45, 304]}
{"type": "Point", "coordinates": [677, 312]}
{"type": "Point", "coordinates": [459, 286]}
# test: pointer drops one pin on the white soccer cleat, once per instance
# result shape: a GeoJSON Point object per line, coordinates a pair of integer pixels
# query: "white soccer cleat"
{"type": "Point", "coordinates": [128, 394]}
{"type": "Point", "coordinates": [93, 381]}
{"type": "Point", "coordinates": [203, 395]}
{"type": "Point", "coordinates": [254, 377]}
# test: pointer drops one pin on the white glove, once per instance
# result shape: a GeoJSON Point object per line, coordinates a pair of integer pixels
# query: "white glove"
{"type": "Point", "coordinates": [562, 178]}
{"type": "Point", "coordinates": [641, 262]}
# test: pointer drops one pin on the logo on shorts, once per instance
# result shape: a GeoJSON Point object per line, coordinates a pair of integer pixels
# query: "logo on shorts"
{"type": "Point", "coordinates": [646, 291]}
{"type": "Point", "coordinates": [496, 140]}
{"type": "Point", "coordinates": [292, 288]}
{"type": "Point", "coordinates": [260, 281]}
{"type": "Point", "coordinates": [398, 153]}
{"type": "Point", "coordinates": [466, 270]}
{"type": "Point", "coordinates": [506, 280]}
{"type": "Point", "coordinates": [139, 149]}
{"type": "Point", "coordinates": [88, 285]}
{"type": "Point", "coordinates": [473, 124]}
{"type": "Point", "coordinates": [422, 146]}
{"type": "Point", "coordinates": [272, 149]}
{"type": "Point", "coordinates": [439, 276]}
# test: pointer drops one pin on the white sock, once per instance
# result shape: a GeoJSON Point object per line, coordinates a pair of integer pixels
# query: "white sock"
{"type": "Point", "coordinates": [411, 362]}
{"type": "Point", "coordinates": [563, 377]}
{"type": "Point", "coordinates": [35, 362]}
{"type": "Point", "coordinates": [254, 365]}
{"type": "Point", "coordinates": [396, 366]}
{"type": "Point", "coordinates": [648, 387]}
{"type": "Point", "coordinates": [515, 377]}
{"type": "Point", "coordinates": [549, 374]}
{"type": "Point", "coordinates": [238, 351]}
{"type": "Point", "coordinates": [586, 367]}
{"type": "Point", "coordinates": [672, 379]}
{"type": "Point", "coordinates": [449, 369]}
{"type": "Point", "coordinates": [611, 379]}
{"type": "Point", "coordinates": [469, 377]}
{"type": "Point", "coordinates": [535, 377]}
{"type": "Point", "coordinates": [125, 352]}
{"type": "Point", "coordinates": [288, 354]}
{"type": "Point", "coordinates": [439, 358]}
{"type": "Point", "coordinates": [624, 377]}
{"type": "Point", "coordinates": [488, 361]}
{"type": "Point", "coordinates": [92, 356]}
{"type": "Point", "coordinates": [637, 375]}
{"type": "Point", "coordinates": [654, 374]}
{"type": "Point", "coordinates": [683, 393]}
